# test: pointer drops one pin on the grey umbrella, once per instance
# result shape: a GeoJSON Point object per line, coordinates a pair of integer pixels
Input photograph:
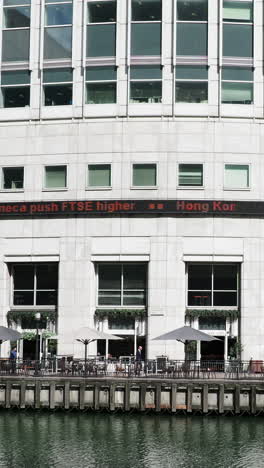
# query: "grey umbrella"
{"type": "Point", "coordinates": [186, 333]}
{"type": "Point", "coordinates": [87, 335]}
{"type": "Point", "coordinates": [7, 334]}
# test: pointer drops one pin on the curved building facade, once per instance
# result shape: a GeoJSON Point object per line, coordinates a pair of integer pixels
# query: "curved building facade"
{"type": "Point", "coordinates": [131, 194]}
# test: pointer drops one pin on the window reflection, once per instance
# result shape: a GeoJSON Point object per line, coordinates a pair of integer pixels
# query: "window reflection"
{"type": "Point", "coordinates": [17, 17]}
{"type": "Point", "coordinates": [57, 43]}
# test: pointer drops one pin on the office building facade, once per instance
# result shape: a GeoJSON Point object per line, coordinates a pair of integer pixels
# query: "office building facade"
{"type": "Point", "coordinates": [131, 173]}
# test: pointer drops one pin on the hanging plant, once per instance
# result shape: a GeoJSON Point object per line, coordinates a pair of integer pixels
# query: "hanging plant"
{"type": "Point", "coordinates": [236, 350]}
{"type": "Point", "coordinates": [30, 336]}
{"type": "Point", "coordinates": [18, 315]}
{"type": "Point", "coordinates": [231, 314]}
{"type": "Point", "coordinates": [47, 334]}
{"type": "Point", "coordinates": [120, 313]}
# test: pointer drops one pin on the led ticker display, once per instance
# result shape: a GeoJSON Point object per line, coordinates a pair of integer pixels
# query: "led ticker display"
{"type": "Point", "coordinates": [146, 207]}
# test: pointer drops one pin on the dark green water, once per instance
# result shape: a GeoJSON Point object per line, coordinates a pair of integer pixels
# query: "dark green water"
{"type": "Point", "coordinates": [45, 440]}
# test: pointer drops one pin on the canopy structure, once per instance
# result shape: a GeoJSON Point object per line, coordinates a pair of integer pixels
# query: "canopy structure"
{"type": "Point", "coordinates": [186, 334]}
{"type": "Point", "coordinates": [8, 334]}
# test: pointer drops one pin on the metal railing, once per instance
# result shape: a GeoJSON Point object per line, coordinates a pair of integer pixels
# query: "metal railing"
{"type": "Point", "coordinates": [128, 367]}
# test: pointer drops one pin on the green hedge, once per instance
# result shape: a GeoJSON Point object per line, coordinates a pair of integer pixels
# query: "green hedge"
{"type": "Point", "coordinates": [120, 313]}
{"type": "Point", "coordinates": [203, 313]}
{"type": "Point", "coordinates": [30, 336]}
{"type": "Point", "coordinates": [16, 316]}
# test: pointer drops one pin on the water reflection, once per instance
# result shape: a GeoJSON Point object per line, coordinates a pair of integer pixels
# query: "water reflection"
{"type": "Point", "coordinates": [40, 440]}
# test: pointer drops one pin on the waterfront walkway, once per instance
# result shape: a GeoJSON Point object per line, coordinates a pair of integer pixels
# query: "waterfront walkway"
{"type": "Point", "coordinates": [161, 368]}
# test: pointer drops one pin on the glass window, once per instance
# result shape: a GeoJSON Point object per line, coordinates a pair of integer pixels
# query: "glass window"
{"type": "Point", "coordinates": [146, 27]}
{"type": "Point", "coordinates": [145, 39]}
{"type": "Point", "coordinates": [100, 85]}
{"type": "Point", "coordinates": [237, 11]}
{"type": "Point", "coordinates": [191, 84]}
{"type": "Point", "coordinates": [12, 178]}
{"type": "Point", "coordinates": [15, 45]}
{"type": "Point", "coordinates": [237, 40]}
{"type": "Point", "coordinates": [58, 14]}
{"type": "Point", "coordinates": [144, 175]}
{"type": "Point", "coordinates": [145, 84]}
{"type": "Point", "coordinates": [212, 323]}
{"type": "Point", "coordinates": [192, 39]}
{"type": "Point", "coordinates": [146, 10]}
{"type": "Point", "coordinates": [101, 40]}
{"type": "Point", "coordinates": [17, 17]}
{"type": "Point", "coordinates": [192, 10]}
{"type": "Point", "coordinates": [192, 92]}
{"type": "Point", "coordinates": [35, 284]}
{"type": "Point", "coordinates": [55, 176]}
{"type": "Point", "coordinates": [16, 31]}
{"type": "Point", "coordinates": [184, 72]}
{"type": "Point", "coordinates": [190, 175]}
{"type": "Point", "coordinates": [237, 85]}
{"type": "Point", "coordinates": [101, 12]}
{"type": "Point", "coordinates": [121, 323]}
{"type": "Point", "coordinates": [58, 33]}
{"type": "Point", "coordinates": [58, 43]}
{"type": "Point", "coordinates": [57, 87]}
{"type": "Point", "coordinates": [122, 284]}
{"type": "Point", "coordinates": [99, 175]}
{"type": "Point", "coordinates": [237, 176]}
{"type": "Point", "coordinates": [15, 88]}
{"type": "Point", "coordinates": [16, 2]}
{"type": "Point", "coordinates": [213, 285]}
{"type": "Point", "coordinates": [146, 72]}
{"type": "Point", "coordinates": [237, 93]}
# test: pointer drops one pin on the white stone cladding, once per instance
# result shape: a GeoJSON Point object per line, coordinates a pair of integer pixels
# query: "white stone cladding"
{"type": "Point", "coordinates": [167, 242]}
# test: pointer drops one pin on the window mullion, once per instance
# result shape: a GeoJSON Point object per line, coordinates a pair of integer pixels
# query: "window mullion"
{"type": "Point", "coordinates": [212, 286]}
{"type": "Point", "coordinates": [122, 285]}
{"type": "Point", "coordinates": [35, 286]}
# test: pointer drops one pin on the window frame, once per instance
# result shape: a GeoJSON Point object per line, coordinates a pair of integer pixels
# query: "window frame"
{"type": "Point", "coordinates": [143, 187]}
{"type": "Point", "coordinates": [15, 86]}
{"type": "Point", "coordinates": [22, 28]}
{"type": "Point", "coordinates": [221, 80]}
{"type": "Point", "coordinates": [46, 27]}
{"type": "Point", "coordinates": [191, 80]}
{"type": "Point", "coordinates": [160, 22]}
{"type": "Point", "coordinates": [98, 187]}
{"type": "Point", "coordinates": [54, 189]}
{"type": "Point", "coordinates": [57, 83]}
{"type": "Point", "coordinates": [88, 24]}
{"type": "Point", "coordinates": [241, 23]}
{"type": "Point", "coordinates": [86, 82]}
{"type": "Point", "coordinates": [177, 21]}
{"type": "Point", "coordinates": [34, 306]}
{"type": "Point", "coordinates": [248, 188]}
{"type": "Point", "coordinates": [2, 189]}
{"type": "Point", "coordinates": [145, 80]}
{"type": "Point", "coordinates": [190, 187]}
{"type": "Point", "coordinates": [212, 290]}
{"type": "Point", "coordinates": [121, 306]}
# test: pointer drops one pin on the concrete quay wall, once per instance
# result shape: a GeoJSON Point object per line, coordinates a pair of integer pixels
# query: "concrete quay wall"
{"type": "Point", "coordinates": [133, 394]}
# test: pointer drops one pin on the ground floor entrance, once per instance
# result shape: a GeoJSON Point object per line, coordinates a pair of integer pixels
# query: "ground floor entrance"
{"type": "Point", "coordinates": [124, 347]}
{"type": "Point", "coordinates": [213, 350]}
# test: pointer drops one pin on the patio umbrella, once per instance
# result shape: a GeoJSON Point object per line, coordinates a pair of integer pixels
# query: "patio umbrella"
{"type": "Point", "coordinates": [87, 335]}
{"type": "Point", "coordinates": [186, 333]}
{"type": "Point", "coordinates": [8, 334]}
